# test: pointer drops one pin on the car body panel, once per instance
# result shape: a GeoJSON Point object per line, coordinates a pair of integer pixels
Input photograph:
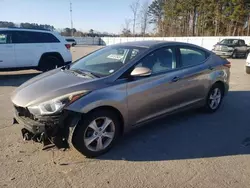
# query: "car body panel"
{"type": "Point", "coordinates": [7, 48]}
{"type": "Point", "coordinates": [41, 88]}
{"type": "Point", "coordinates": [138, 99]}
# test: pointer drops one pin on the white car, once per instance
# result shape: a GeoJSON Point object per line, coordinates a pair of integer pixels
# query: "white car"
{"type": "Point", "coordinates": [71, 41]}
{"type": "Point", "coordinates": [248, 64]}
{"type": "Point", "coordinates": [32, 49]}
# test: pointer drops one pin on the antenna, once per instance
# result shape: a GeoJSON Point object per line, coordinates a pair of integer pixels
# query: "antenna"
{"type": "Point", "coordinates": [71, 20]}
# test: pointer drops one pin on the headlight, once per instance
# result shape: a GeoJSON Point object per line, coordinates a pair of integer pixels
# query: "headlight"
{"type": "Point", "coordinates": [55, 105]}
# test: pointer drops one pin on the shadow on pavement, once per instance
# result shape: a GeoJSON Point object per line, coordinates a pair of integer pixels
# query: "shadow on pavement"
{"type": "Point", "coordinates": [15, 79]}
{"type": "Point", "coordinates": [191, 135]}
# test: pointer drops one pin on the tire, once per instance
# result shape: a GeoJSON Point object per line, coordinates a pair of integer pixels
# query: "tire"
{"type": "Point", "coordinates": [248, 70]}
{"type": "Point", "coordinates": [208, 106]}
{"type": "Point", "coordinates": [48, 63]}
{"type": "Point", "coordinates": [234, 55]}
{"type": "Point", "coordinates": [84, 134]}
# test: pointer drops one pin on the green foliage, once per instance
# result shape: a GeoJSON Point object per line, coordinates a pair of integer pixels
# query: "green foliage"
{"type": "Point", "coordinates": [200, 17]}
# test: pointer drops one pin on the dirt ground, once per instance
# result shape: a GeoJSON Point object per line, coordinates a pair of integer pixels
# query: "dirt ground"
{"type": "Point", "coordinates": [187, 150]}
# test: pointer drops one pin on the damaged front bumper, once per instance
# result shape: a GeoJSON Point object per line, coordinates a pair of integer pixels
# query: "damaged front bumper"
{"type": "Point", "coordinates": [51, 129]}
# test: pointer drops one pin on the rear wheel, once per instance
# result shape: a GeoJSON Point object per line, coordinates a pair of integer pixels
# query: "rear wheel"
{"type": "Point", "coordinates": [214, 98]}
{"type": "Point", "coordinates": [48, 63]}
{"type": "Point", "coordinates": [97, 133]}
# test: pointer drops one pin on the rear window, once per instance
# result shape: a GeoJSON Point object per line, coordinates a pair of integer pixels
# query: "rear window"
{"type": "Point", "coordinates": [5, 37]}
{"type": "Point", "coordinates": [192, 56]}
{"type": "Point", "coordinates": [229, 41]}
{"type": "Point", "coordinates": [70, 40]}
{"type": "Point", "coordinates": [33, 37]}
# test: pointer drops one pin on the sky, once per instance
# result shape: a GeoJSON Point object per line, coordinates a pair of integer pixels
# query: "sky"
{"type": "Point", "coordinates": [99, 15]}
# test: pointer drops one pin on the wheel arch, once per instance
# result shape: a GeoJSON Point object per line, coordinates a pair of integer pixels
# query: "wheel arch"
{"type": "Point", "coordinates": [55, 54]}
{"type": "Point", "coordinates": [222, 84]}
{"type": "Point", "coordinates": [108, 108]}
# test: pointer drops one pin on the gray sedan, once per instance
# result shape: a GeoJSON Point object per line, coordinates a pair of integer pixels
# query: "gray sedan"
{"type": "Point", "coordinates": [90, 103]}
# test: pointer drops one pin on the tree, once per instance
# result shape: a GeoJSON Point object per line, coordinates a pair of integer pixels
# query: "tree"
{"type": "Point", "coordinates": [91, 32]}
{"type": "Point", "coordinates": [144, 18]}
{"type": "Point", "coordinates": [78, 34]}
{"type": "Point", "coordinates": [126, 33]}
{"type": "Point", "coordinates": [134, 8]}
{"type": "Point", "coordinates": [156, 15]}
{"type": "Point", "coordinates": [6, 24]}
{"type": "Point", "coordinates": [127, 24]}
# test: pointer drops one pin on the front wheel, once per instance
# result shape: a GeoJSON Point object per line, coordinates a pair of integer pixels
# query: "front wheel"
{"type": "Point", "coordinates": [234, 55]}
{"type": "Point", "coordinates": [97, 133]}
{"type": "Point", "coordinates": [214, 98]}
{"type": "Point", "coordinates": [248, 70]}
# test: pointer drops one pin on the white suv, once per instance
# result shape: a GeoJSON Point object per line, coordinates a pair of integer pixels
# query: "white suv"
{"type": "Point", "coordinates": [32, 49]}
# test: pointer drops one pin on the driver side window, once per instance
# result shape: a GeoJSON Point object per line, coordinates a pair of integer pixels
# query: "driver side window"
{"type": "Point", "coordinates": [161, 60]}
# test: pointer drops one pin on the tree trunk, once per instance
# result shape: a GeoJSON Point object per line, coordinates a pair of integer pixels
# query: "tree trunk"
{"type": "Point", "coordinates": [235, 29]}
{"type": "Point", "coordinates": [248, 28]}
{"type": "Point", "coordinates": [194, 21]}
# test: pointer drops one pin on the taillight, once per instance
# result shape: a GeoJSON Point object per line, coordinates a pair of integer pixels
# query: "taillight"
{"type": "Point", "coordinates": [67, 46]}
{"type": "Point", "coordinates": [227, 64]}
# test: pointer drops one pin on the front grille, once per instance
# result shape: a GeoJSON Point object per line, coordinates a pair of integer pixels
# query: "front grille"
{"type": "Point", "coordinates": [221, 48]}
{"type": "Point", "coordinates": [23, 112]}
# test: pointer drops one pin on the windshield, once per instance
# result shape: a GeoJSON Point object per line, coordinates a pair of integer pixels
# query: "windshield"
{"type": "Point", "coordinates": [107, 60]}
{"type": "Point", "coordinates": [229, 41]}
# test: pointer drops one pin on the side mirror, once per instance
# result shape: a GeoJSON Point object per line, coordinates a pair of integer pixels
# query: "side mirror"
{"type": "Point", "coordinates": [141, 72]}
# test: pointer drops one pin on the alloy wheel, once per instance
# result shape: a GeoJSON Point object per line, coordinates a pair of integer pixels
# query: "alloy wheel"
{"type": "Point", "coordinates": [99, 134]}
{"type": "Point", "coordinates": [215, 98]}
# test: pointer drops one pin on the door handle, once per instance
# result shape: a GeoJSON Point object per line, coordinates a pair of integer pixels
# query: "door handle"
{"type": "Point", "coordinates": [175, 79]}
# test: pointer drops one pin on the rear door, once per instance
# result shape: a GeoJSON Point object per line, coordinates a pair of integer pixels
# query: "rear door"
{"type": "Point", "coordinates": [28, 47]}
{"type": "Point", "coordinates": [7, 50]}
{"type": "Point", "coordinates": [195, 74]}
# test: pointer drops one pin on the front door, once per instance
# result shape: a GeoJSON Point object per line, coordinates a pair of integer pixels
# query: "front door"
{"type": "Point", "coordinates": [7, 50]}
{"type": "Point", "coordinates": [155, 95]}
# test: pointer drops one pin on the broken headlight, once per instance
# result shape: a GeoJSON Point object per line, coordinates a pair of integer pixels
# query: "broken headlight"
{"type": "Point", "coordinates": [56, 105]}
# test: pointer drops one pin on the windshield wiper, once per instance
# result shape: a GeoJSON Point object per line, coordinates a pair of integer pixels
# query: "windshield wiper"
{"type": "Point", "coordinates": [87, 73]}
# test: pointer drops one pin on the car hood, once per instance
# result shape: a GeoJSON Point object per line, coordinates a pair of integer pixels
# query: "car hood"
{"type": "Point", "coordinates": [50, 85]}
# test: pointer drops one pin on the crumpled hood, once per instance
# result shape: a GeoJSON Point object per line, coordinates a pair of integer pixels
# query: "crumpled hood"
{"type": "Point", "coordinates": [47, 86]}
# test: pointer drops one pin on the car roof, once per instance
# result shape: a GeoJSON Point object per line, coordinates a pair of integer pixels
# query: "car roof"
{"type": "Point", "coordinates": [23, 29]}
{"type": "Point", "coordinates": [232, 39]}
{"type": "Point", "coordinates": [145, 43]}
{"type": "Point", "coordinates": [156, 43]}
